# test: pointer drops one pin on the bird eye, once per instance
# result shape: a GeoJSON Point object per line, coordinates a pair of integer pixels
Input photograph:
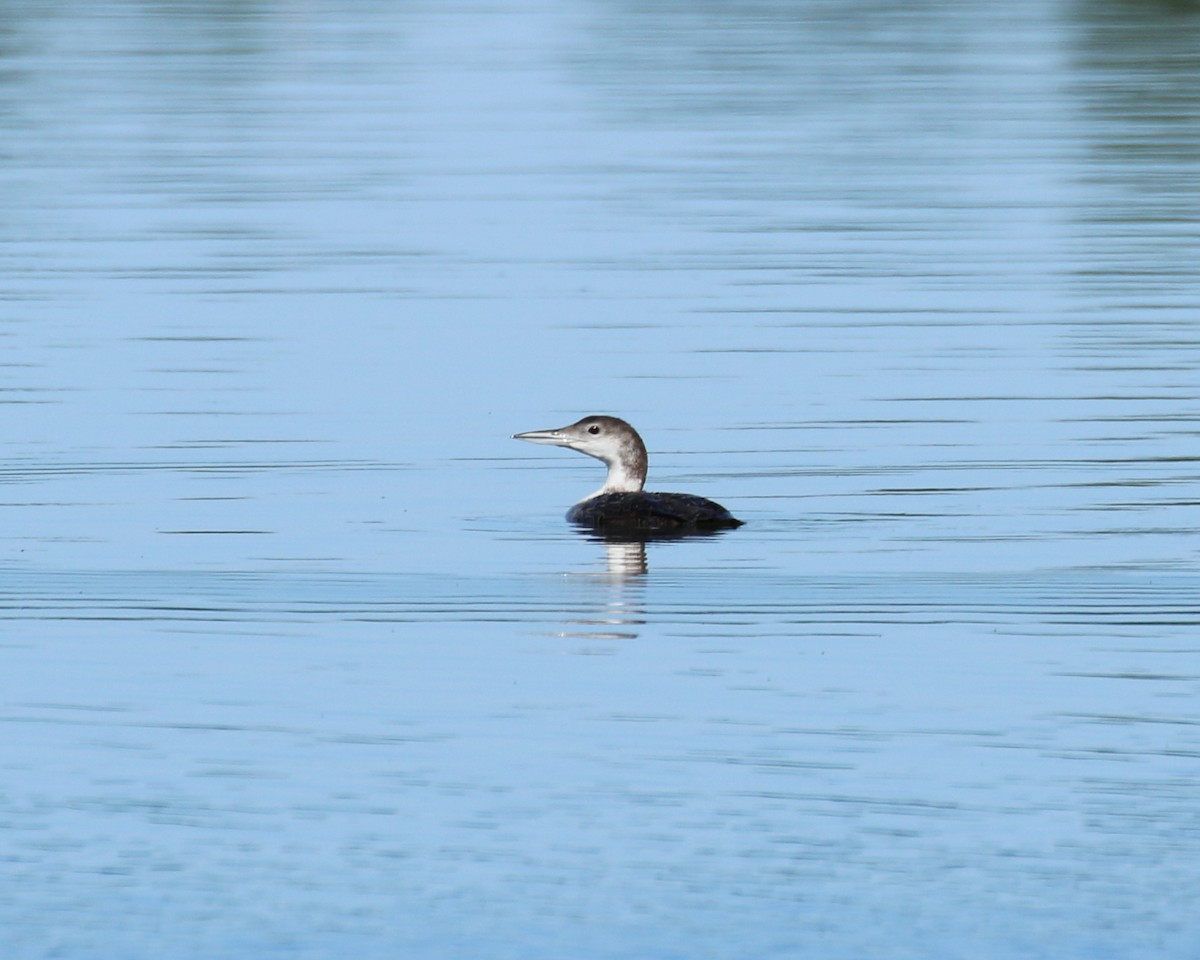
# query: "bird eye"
{"type": "Point", "coordinates": [594, 429]}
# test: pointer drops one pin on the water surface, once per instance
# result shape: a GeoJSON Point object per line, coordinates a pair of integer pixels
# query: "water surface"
{"type": "Point", "coordinates": [299, 656]}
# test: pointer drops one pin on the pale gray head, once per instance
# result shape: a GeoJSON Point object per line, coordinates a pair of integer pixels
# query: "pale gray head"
{"type": "Point", "coordinates": [606, 438]}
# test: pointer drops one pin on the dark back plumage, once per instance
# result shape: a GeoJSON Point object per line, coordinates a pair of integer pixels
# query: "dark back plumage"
{"type": "Point", "coordinates": [651, 511]}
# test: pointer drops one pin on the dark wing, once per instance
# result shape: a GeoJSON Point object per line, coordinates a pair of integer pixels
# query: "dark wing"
{"type": "Point", "coordinates": [652, 511]}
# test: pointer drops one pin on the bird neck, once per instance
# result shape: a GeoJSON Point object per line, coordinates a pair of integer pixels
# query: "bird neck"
{"type": "Point", "coordinates": [624, 477]}
{"type": "Point", "coordinates": [626, 470]}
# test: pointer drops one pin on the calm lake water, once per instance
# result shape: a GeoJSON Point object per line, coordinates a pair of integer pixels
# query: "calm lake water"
{"type": "Point", "coordinates": [298, 655]}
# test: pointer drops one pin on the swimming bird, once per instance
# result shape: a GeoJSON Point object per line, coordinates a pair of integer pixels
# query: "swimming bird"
{"type": "Point", "coordinates": [622, 504]}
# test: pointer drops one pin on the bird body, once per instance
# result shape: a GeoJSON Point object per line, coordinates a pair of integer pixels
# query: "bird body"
{"type": "Point", "coordinates": [640, 510]}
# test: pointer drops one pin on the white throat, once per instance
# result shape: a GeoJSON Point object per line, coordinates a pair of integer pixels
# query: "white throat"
{"type": "Point", "coordinates": [620, 479]}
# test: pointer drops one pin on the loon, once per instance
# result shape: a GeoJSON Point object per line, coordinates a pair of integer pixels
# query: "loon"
{"type": "Point", "coordinates": [622, 504]}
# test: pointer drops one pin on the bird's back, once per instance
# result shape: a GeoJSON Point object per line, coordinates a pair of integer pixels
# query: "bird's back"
{"type": "Point", "coordinates": [651, 511]}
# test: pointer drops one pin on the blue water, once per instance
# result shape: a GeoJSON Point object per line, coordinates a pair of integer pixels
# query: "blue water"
{"type": "Point", "coordinates": [298, 656]}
